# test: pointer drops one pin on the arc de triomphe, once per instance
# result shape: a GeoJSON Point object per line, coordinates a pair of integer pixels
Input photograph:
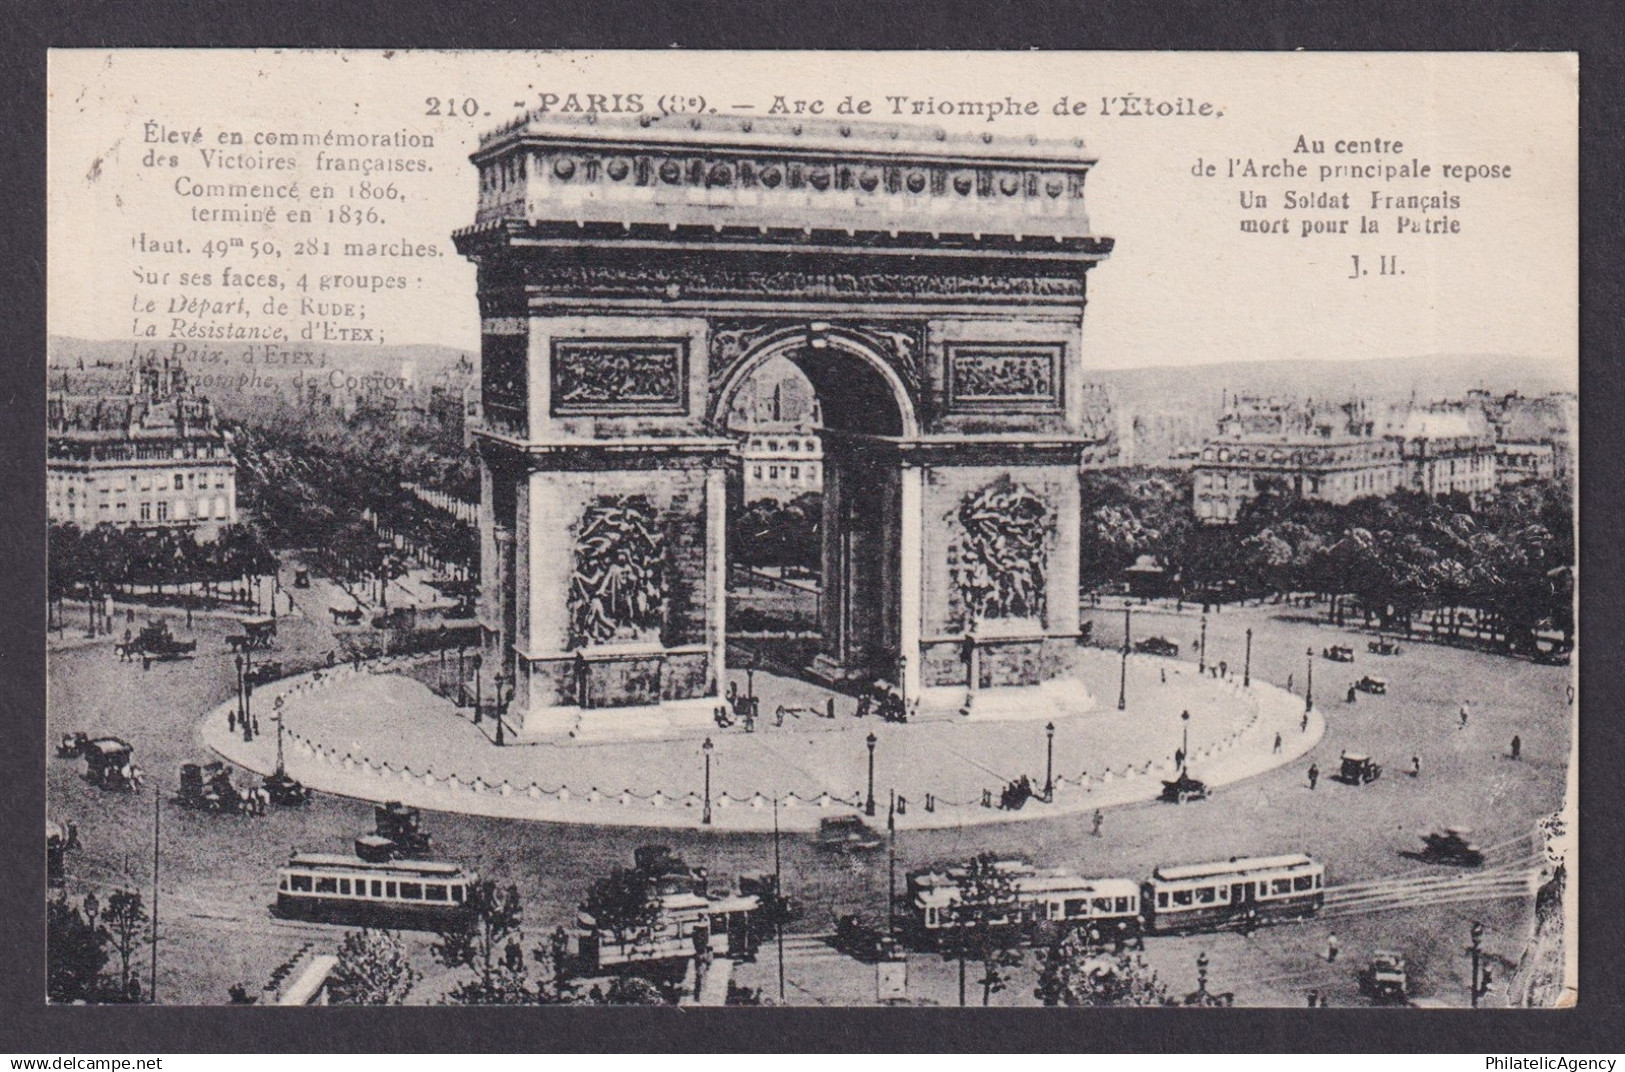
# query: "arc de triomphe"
{"type": "Point", "coordinates": [634, 273]}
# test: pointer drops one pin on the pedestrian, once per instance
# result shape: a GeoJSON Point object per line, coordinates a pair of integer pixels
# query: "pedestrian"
{"type": "Point", "coordinates": [1289, 683]}
{"type": "Point", "coordinates": [1314, 999]}
{"type": "Point", "coordinates": [1314, 775]}
{"type": "Point", "coordinates": [1331, 948]}
{"type": "Point", "coordinates": [1224, 668]}
{"type": "Point", "coordinates": [1179, 758]}
{"type": "Point", "coordinates": [1463, 723]}
{"type": "Point", "coordinates": [1099, 818]}
{"type": "Point", "coordinates": [1277, 744]}
{"type": "Point", "coordinates": [1416, 766]}
{"type": "Point", "coordinates": [1163, 669]}
{"type": "Point", "coordinates": [1352, 694]}
{"type": "Point", "coordinates": [1303, 723]}
{"type": "Point", "coordinates": [1517, 746]}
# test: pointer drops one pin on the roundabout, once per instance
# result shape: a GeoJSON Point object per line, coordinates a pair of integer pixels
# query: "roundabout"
{"type": "Point", "coordinates": [380, 733]}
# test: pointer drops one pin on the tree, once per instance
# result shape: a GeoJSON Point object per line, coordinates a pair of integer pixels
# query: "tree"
{"type": "Point", "coordinates": [75, 951]}
{"type": "Point", "coordinates": [373, 969]}
{"type": "Point", "coordinates": [487, 938]}
{"type": "Point", "coordinates": [125, 920]}
{"type": "Point", "coordinates": [1074, 973]}
{"type": "Point", "coordinates": [986, 916]}
{"type": "Point", "coordinates": [624, 905]}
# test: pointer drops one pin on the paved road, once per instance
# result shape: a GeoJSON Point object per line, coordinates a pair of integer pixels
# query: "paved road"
{"type": "Point", "coordinates": [218, 870]}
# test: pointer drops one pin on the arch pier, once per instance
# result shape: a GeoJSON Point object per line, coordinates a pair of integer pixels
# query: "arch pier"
{"type": "Point", "coordinates": [633, 274]}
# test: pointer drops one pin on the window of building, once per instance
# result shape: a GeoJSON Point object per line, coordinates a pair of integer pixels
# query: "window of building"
{"type": "Point", "coordinates": [756, 472]}
{"type": "Point", "coordinates": [146, 511]}
{"type": "Point", "coordinates": [179, 482]}
{"type": "Point", "coordinates": [795, 472]}
{"type": "Point", "coordinates": [772, 472]}
{"type": "Point", "coordinates": [163, 509]}
{"type": "Point", "coordinates": [795, 445]}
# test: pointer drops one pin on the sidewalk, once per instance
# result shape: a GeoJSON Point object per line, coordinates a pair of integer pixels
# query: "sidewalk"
{"type": "Point", "coordinates": [380, 735]}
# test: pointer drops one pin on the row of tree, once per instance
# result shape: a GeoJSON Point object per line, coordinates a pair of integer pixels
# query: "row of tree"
{"type": "Point", "coordinates": [109, 560]}
{"type": "Point", "coordinates": [1504, 561]}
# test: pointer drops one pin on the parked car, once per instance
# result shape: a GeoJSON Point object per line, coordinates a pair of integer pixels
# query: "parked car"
{"type": "Point", "coordinates": [1338, 653]}
{"type": "Point", "coordinates": [1357, 769]}
{"type": "Point", "coordinates": [847, 833]}
{"type": "Point", "coordinates": [1376, 686]}
{"type": "Point", "coordinates": [1157, 646]}
{"type": "Point", "coordinates": [1383, 646]}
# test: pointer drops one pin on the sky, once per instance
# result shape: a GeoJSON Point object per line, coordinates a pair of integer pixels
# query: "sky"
{"type": "Point", "coordinates": [1184, 285]}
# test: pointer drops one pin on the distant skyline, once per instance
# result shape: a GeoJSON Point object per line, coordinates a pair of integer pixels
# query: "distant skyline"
{"type": "Point", "coordinates": [1184, 286]}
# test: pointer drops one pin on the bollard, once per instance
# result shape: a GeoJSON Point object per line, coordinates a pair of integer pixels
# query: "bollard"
{"type": "Point", "coordinates": [930, 802]}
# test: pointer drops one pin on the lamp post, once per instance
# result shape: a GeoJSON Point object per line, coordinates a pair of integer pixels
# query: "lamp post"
{"type": "Point", "coordinates": [1480, 983]}
{"type": "Point", "coordinates": [1049, 763]}
{"type": "Point", "coordinates": [1309, 684]}
{"type": "Point", "coordinates": [238, 659]}
{"type": "Point", "coordinates": [869, 801]}
{"type": "Point", "coordinates": [1184, 740]}
{"type": "Point", "coordinates": [248, 694]}
{"type": "Point", "coordinates": [478, 697]}
{"type": "Point", "coordinates": [1201, 649]}
{"type": "Point", "coordinates": [705, 814]}
{"type": "Point", "coordinates": [1122, 674]}
{"type": "Point", "coordinates": [462, 649]}
{"type": "Point", "coordinates": [1247, 667]}
{"type": "Point", "coordinates": [504, 687]}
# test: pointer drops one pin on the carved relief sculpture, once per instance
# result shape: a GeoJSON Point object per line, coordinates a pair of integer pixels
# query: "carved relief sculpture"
{"type": "Point", "coordinates": [617, 589]}
{"type": "Point", "coordinates": [1002, 558]}
{"type": "Point", "coordinates": [619, 376]}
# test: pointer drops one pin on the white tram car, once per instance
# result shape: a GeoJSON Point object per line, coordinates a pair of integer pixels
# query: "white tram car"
{"type": "Point", "coordinates": [688, 925]}
{"type": "Point", "coordinates": [346, 889]}
{"type": "Point", "coordinates": [1238, 890]}
{"type": "Point", "coordinates": [1107, 909]}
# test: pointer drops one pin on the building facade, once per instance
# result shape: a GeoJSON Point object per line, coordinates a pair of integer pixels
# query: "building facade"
{"type": "Point", "coordinates": [1445, 450]}
{"type": "Point", "coordinates": [154, 457]}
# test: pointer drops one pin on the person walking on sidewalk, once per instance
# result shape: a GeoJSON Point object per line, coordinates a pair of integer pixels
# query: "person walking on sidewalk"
{"type": "Point", "coordinates": [1331, 948]}
{"type": "Point", "coordinates": [1517, 746]}
{"type": "Point", "coordinates": [1463, 724]}
{"type": "Point", "coordinates": [1314, 775]}
{"type": "Point", "coordinates": [1098, 819]}
{"type": "Point", "coordinates": [1277, 744]}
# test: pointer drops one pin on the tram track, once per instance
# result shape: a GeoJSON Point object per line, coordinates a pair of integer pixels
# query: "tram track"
{"type": "Point", "coordinates": [1383, 895]}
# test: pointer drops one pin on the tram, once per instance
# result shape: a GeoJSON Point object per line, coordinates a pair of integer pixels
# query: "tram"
{"type": "Point", "coordinates": [1240, 891]}
{"type": "Point", "coordinates": [1106, 909]}
{"type": "Point", "coordinates": [346, 889]}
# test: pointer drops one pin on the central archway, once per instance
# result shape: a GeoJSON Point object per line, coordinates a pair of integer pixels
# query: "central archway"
{"type": "Point", "coordinates": [867, 411]}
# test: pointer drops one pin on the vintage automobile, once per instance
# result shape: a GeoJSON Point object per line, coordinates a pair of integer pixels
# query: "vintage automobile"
{"type": "Point", "coordinates": [259, 631]}
{"type": "Point", "coordinates": [208, 787]}
{"type": "Point", "coordinates": [1384, 979]}
{"type": "Point", "coordinates": [110, 763]}
{"type": "Point", "coordinates": [1452, 845]}
{"type": "Point", "coordinates": [286, 791]}
{"type": "Point", "coordinates": [1157, 645]}
{"type": "Point", "coordinates": [264, 673]}
{"type": "Point", "coordinates": [1338, 653]}
{"type": "Point", "coordinates": [863, 940]}
{"type": "Point", "coordinates": [847, 833]}
{"type": "Point", "coordinates": [402, 827]}
{"type": "Point", "coordinates": [301, 578]}
{"type": "Point", "coordinates": [1376, 686]}
{"type": "Point", "coordinates": [155, 641]}
{"type": "Point", "coordinates": [1357, 769]}
{"type": "Point", "coordinates": [1183, 790]}
{"type": "Point", "coordinates": [1383, 646]}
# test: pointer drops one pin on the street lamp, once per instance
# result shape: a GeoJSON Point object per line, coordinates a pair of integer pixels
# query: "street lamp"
{"type": "Point", "coordinates": [1201, 973]}
{"type": "Point", "coordinates": [501, 705]}
{"type": "Point", "coordinates": [705, 814]}
{"type": "Point", "coordinates": [1201, 649]}
{"type": "Point", "coordinates": [1184, 740]}
{"type": "Point", "coordinates": [869, 803]}
{"type": "Point", "coordinates": [478, 696]}
{"type": "Point", "coordinates": [461, 650]}
{"type": "Point", "coordinates": [1122, 675]}
{"type": "Point", "coordinates": [1247, 667]}
{"type": "Point", "coordinates": [1309, 685]}
{"type": "Point", "coordinates": [1049, 763]}
{"type": "Point", "coordinates": [238, 659]}
{"type": "Point", "coordinates": [1480, 983]}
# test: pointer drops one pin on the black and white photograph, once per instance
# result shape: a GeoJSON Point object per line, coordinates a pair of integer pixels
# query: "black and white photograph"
{"type": "Point", "coordinates": [812, 529]}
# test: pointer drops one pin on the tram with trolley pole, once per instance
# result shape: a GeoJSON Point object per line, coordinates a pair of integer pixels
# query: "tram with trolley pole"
{"type": "Point", "coordinates": [1240, 891]}
{"type": "Point", "coordinates": [1103, 909]}
{"type": "Point", "coordinates": [330, 888]}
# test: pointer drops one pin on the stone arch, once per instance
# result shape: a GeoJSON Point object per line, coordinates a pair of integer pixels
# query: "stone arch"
{"type": "Point", "coordinates": [847, 348]}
